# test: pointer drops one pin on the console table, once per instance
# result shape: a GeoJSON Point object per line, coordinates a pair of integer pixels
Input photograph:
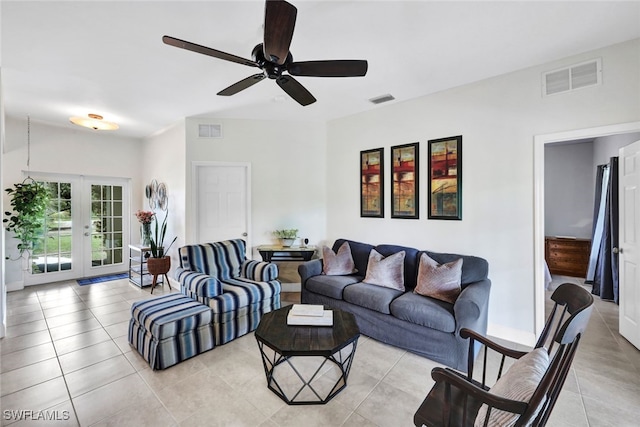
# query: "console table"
{"type": "Point", "coordinates": [283, 253]}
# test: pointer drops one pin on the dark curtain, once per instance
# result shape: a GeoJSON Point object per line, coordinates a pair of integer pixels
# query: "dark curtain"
{"type": "Point", "coordinates": [596, 233]}
{"type": "Point", "coordinates": [605, 282]}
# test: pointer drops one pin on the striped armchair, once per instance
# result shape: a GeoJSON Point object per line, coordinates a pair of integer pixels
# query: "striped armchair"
{"type": "Point", "coordinates": [237, 290]}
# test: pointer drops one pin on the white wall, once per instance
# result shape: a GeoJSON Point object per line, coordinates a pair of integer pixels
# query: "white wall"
{"type": "Point", "coordinates": [164, 160]}
{"type": "Point", "coordinates": [498, 119]}
{"type": "Point", "coordinates": [3, 287]}
{"type": "Point", "coordinates": [569, 189]}
{"type": "Point", "coordinates": [288, 172]}
{"type": "Point", "coordinates": [67, 150]}
{"type": "Point", "coordinates": [608, 146]}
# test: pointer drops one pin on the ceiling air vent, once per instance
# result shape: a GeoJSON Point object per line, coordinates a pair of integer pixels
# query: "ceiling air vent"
{"type": "Point", "coordinates": [210, 131]}
{"type": "Point", "coordinates": [382, 98]}
{"type": "Point", "coordinates": [571, 78]}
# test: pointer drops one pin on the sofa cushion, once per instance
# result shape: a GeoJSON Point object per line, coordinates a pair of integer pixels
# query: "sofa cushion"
{"type": "Point", "coordinates": [340, 263]}
{"type": "Point", "coordinates": [387, 272]}
{"type": "Point", "coordinates": [440, 281]}
{"type": "Point", "coordinates": [359, 252]}
{"type": "Point", "coordinates": [518, 383]}
{"type": "Point", "coordinates": [425, 311]}
{"type": "Point", "coordinates": [376, 298]}
{"type": "Point", "coordinates": [474, 269]}
{"type": "Point", "coordinates": [410, 262]}
{"type": "Point", "coordinates": [331, 286]}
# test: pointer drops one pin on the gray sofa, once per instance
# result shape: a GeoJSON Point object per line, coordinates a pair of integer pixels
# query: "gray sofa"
{"type": "Point", "coordinates": [422, 325]}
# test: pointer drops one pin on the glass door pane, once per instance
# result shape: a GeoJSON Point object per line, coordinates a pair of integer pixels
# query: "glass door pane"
{"type": "Point", "coordinates": [52, 252]}
{"type": "Point", "coordinates": [106, 225]}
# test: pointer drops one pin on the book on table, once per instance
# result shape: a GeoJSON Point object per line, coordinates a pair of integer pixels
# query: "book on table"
{"type": "Point", "coordinates": [309, 315]}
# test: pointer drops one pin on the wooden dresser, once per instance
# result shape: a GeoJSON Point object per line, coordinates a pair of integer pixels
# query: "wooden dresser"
{"type": "Point", "coordinates": [566, 256]}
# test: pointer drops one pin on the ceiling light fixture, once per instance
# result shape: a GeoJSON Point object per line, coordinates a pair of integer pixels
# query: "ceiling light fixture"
{"type": "Point", "coordinates": [94, 121]}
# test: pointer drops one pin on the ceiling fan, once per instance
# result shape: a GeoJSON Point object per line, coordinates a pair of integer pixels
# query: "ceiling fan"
{"type": "Point", "coordinates": [273, 57]}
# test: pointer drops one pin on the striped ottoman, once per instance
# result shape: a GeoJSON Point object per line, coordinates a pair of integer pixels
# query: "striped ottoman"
{"type": "Point", "coordinates": [169, 329]}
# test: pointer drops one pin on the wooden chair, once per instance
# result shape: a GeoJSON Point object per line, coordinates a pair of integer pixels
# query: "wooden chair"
{"type": "Point", "coordinates": [456, 398]}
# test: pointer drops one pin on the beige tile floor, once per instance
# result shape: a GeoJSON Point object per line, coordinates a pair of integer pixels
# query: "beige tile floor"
{"type": "Point", "coordinates": [66, 354]}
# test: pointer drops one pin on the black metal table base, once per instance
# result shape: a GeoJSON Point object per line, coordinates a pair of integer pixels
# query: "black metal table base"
{"type": "Point", "coordinates": [308, 389]}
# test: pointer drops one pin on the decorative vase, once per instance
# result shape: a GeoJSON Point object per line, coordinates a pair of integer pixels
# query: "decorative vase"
{"type": "Point", "coordinates": [157, 266]}
{"type": "Point", "coordinates": [145, 234]}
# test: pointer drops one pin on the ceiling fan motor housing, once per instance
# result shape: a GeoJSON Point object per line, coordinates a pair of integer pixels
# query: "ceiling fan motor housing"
{"type": "Point", "coordinates": [272, 69]}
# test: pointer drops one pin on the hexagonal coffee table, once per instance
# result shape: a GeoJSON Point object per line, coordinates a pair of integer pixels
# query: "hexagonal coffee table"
{"type": "Point", "coordinates": [307, 364]}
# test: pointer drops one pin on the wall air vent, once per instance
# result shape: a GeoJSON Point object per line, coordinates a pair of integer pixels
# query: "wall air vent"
{"type": "Point", "coordinates": [382, 98]}
{"type": "Point", "coordinates": [209, 131]}
{"type": "Point", "coordinates": [571, 78]}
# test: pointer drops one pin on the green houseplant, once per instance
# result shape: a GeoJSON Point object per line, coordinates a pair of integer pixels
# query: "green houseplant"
{"type": "Point", "coordinates": [286, 236]}
{"type": "Point", "coordinates": [29, 202]}
{"type": "Point", "coordinates": [159, 263]}
{"type": "Point", "coordinates": [157, 238]}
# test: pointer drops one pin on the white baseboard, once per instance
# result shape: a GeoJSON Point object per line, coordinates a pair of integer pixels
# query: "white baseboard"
{"type": "Point", "coordinates": [15, 286]}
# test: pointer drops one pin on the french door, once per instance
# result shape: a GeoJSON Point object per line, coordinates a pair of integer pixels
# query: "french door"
{"type": "Point", "coordinates": [86, 230]}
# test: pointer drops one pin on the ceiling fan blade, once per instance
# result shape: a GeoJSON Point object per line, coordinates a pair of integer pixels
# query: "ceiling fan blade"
{"type": "Point", "coordinates": [172, 41]}
{"type": "Point", "coordinates": [279, 22]}
{"type": "Point", "coordinates": [336, 68]}
{"type": "Point", "coordinates": [242, 85]}
{"type": "Point", "coordinates": [295, 90]}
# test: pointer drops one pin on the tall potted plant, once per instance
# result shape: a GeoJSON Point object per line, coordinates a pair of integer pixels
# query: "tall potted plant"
{"type": "Point", "coordinates": [159, 263]}
{"type": "Point", "coordinates": [29, 202]}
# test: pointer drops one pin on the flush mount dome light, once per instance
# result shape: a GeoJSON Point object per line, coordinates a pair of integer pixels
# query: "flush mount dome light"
{"type": "Point", "coordinates": [94, 121]}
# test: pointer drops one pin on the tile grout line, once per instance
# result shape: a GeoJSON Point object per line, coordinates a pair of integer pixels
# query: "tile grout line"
{"type": "Point", "coordinates": [55, 349]}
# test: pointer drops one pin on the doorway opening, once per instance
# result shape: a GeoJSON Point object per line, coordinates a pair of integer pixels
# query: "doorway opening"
{"type": "Point", "coordinates": [540, 142]}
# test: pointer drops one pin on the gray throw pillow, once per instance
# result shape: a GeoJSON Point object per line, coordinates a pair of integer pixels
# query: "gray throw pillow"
{"type": "Point", "coordinates": [518, 383]}
{"type": "Point", "coordinates": [387, 272]}
{"type": "Point", "coordinates": [439, 281]}
{"type": "Point", "coordinates": [338, 264]}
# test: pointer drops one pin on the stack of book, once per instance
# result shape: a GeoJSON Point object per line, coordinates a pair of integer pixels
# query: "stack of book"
{"type": "Point", "coordinates": [309, 315]}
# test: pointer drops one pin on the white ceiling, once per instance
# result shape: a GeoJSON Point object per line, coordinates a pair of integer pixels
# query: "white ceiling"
{"type": "Point", "coordinates": [69, 58]}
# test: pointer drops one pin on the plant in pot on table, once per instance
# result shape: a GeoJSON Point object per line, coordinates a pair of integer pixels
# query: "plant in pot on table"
{"type": "Point", "coordinates": [145, 218]}
{"type": "Point", "coordinates": [287, 236]}
{"type": "Point", "coordinates": [159, 263]}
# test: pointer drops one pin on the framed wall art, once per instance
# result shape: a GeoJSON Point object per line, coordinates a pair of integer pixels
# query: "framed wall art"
{"type": "Point", "coordinates": [404, 189]}
{"type": "Point", "coordinates": [372, 183]}
{"type": "Point", "coordinates": [445, 178]}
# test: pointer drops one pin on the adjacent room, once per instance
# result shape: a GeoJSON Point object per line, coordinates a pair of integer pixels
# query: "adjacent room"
{"type": "Point", "coordinates": [183, 181]}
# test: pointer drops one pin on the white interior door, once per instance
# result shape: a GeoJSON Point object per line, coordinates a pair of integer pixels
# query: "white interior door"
{"type": "Point", "coordinates": [629, 258]}
{"type": "Point", "coordinates": [222, 198]}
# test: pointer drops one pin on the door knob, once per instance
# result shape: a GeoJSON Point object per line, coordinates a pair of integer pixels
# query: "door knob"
{"type": "Point", "coordinates": [616, 250]}
{"type": "Point", "coordinates": [244, 234]}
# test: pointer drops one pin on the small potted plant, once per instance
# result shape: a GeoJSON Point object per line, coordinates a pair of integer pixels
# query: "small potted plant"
{"type": "Point", "coordinates": [145, 218]}
{"type": "Point", "coordinates": [287, 236]}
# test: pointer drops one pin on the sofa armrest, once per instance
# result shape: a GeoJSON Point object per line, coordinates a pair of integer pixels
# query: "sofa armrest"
{"type": "Point", "coordinates": [198, 286]}
{"type": "Point", "coordinates": [309, 269]}
{"type": "Point", "coordinates": [472, 307]}
{"type": "Point", "coordinates": [259, 270]}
